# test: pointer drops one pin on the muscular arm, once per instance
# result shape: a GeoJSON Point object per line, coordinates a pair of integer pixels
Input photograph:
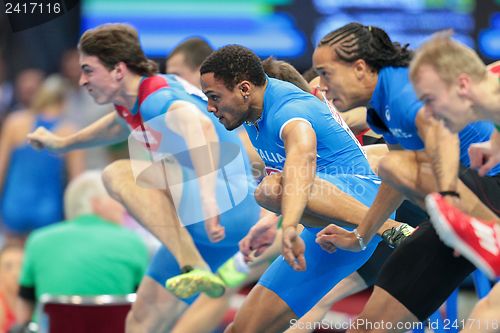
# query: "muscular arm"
{"type": "Point", "coordinates": [202, 141]}
{"type": "Point", "coordinates": [387, 201]}
{"type": "Point", "coordinates": [443, 149]}
{"type": "Point", "coordinates": [299, 170]}
{"type": "Point", "coordinates": [108, 130]}
{"type": "Point", "coordinates": [198, 132]}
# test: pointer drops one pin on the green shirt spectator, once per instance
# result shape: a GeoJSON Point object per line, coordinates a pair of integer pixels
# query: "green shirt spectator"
{"type": "Point", "coordinates": [90, 254]}
{"type": "Point", "coordinates": [87, 256]}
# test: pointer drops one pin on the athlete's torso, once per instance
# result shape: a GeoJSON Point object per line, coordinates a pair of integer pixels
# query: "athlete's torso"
{"type": "Point", "coordinates": [337, 151]}
{"type": "Point", "coordinates": [393, 110]}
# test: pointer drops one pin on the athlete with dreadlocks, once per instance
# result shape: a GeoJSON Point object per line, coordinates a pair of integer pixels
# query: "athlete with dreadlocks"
{"type": "Point", "coordinates": [360, 65]}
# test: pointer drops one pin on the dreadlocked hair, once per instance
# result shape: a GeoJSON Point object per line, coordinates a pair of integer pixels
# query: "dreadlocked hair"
{"type": "Point", "coordinates": [355, 41]}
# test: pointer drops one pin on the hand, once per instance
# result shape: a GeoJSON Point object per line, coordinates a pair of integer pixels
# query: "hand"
{"type": "Point", "coordinates": [259, 238]}
{"type": "Point", "coordinates": [293, 249]}
{"type": "Point", "coordinates": [483, 157]}
{"type": "Point", "coordinates": [333, 237]}
{"type": "Point", "coordinates": [214, 229]}
{"type": "Point", "coordinates": [42, 138]}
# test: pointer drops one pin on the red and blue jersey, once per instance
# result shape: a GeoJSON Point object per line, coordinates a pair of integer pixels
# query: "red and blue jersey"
{"type": "Point", "coordinates": [147, 118]}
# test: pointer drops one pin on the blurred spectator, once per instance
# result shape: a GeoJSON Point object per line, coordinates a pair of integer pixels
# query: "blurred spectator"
{"type": "Point", "coordinates": [6, 91]}
{"type": "Point", "coordinates": [186, 58]}
{"type": "Point", "coordinates": [11, 258]}
{"type": "Point", "coordinates": [89, 255]}
{"type": "Point", "coordinates": [81, 110]}
{"type": "Point", "coordinates": [283, 71]}
{"type": "Point", "coordinates": [32, 182]}
{"type": "Point", "coordinates": [27, 84]}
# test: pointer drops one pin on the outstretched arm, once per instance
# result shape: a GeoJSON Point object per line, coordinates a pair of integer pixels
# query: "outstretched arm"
{"type": "Point", "coordinates": [108, 130]}
{"type": "Point", "coordinates": [388, 199]}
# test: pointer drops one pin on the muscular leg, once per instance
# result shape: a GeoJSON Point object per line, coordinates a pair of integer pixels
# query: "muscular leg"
{"type": "Point", "coordinates": [319, 211]}
{"type": "Point", "coordinates": [155, 210]}
{"type": "Point", "coordinates": [382, 307]}
{"type": "Point", "coordinates": [347, 287]}
{"type": "Point", "coordinates": [411, 173]}
{"type": "Point", "coordinates": [155, 309]}
{"type": "Point", "coordinates": [262, 311]}
{"type": "Point", "coordinates": [485, 316]}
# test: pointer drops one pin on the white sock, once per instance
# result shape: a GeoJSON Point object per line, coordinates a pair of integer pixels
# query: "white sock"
{"type": "Point", "coordinates": [240, 264]}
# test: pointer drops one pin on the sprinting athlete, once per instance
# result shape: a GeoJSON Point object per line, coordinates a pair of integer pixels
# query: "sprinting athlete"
{"type": "Point", "coordinates": [183, 147]}
{"type": "Point", "coordinates": [362, 66]}
{"type": "Point", "coordinates": [317, 173]}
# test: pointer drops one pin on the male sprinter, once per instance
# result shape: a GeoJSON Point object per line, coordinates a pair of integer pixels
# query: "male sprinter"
{"type": "Point", "coordinates": [169, 115]}
{"type": "Point", "coordinates": [317, 172]}
{"type": "Point", "coordinates": [362, 66]}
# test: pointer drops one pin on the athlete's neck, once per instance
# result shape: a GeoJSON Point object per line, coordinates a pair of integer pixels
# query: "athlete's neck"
{"type": "Point", "coordinates": [256, 104]}
{"type": "Point", "coordinates": [129, 91]}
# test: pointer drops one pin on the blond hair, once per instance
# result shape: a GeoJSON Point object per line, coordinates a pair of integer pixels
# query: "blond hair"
{"type": "Point", "coordinates": [448, 58]}
{"type": "Point", "coordinates": [80, 192]}
{"type": "Point", "coordinates": [52, 91]}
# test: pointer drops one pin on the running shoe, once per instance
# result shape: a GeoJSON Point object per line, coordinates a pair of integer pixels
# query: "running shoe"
{"type": "Point", "coordinates": [396, 235]}
{"type": "Point", "coordinates": [194, 282]}
{"type": "Point", "coordinates": [476, 240]}
{"type": "Point", "coordinates": [230, 274]}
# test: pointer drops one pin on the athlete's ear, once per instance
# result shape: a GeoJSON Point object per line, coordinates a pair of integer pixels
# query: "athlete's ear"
{"type": "Point", "coordinates": [120, 70]}
{"type": "Point", "coordinates": [360, 67]}
{"type": "Point", "coordinates": [245, 88]}
{"type": "Point", "coordinates": [463, 82]}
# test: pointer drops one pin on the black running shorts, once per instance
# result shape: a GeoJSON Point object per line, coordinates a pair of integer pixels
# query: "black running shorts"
{"type": "Point", "coordinates": [422, 272]}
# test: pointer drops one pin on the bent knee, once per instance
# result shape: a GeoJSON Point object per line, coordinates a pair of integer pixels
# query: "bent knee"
{"type": "Point", "coordinates": [114, 174]}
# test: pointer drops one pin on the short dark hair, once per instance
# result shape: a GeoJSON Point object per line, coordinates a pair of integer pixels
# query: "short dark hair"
{"type": "Point", "coordinates": [355, 41]}
{"type": "Point", "coordinates": [195, 51]}
{"type": "Point", "coordinates": [283, 71]}
{"type": "Point", "coordinates": [115, 42]}
{"type": "Point", "coordinates": [233, 64]}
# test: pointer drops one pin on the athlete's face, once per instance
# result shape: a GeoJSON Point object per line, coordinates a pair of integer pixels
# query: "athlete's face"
{"type": "Point", "coordinates": [341, 81]}
{"type": "Point", "coordinates": [441, 100]}
{"type": "Point", "coordinates": [101, 83]}
{"type": "Point", "coordinates": [177, 65]}
{"type": "Point", "coordinates": [227, 105]}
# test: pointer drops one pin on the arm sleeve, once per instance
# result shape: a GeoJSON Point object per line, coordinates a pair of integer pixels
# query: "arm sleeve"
{"type": "Point", "coordinates": [378, 126]}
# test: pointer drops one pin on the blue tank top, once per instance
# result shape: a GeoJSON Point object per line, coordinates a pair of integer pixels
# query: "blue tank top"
{"type": "Point", "coordinates": [337, 151]}
{"type": "Point", "coordinates": [393, 109]}
{"type": "Point", "coordinates": [34, 185]}
{"type": "Point", "coordinates": [149, 121]}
